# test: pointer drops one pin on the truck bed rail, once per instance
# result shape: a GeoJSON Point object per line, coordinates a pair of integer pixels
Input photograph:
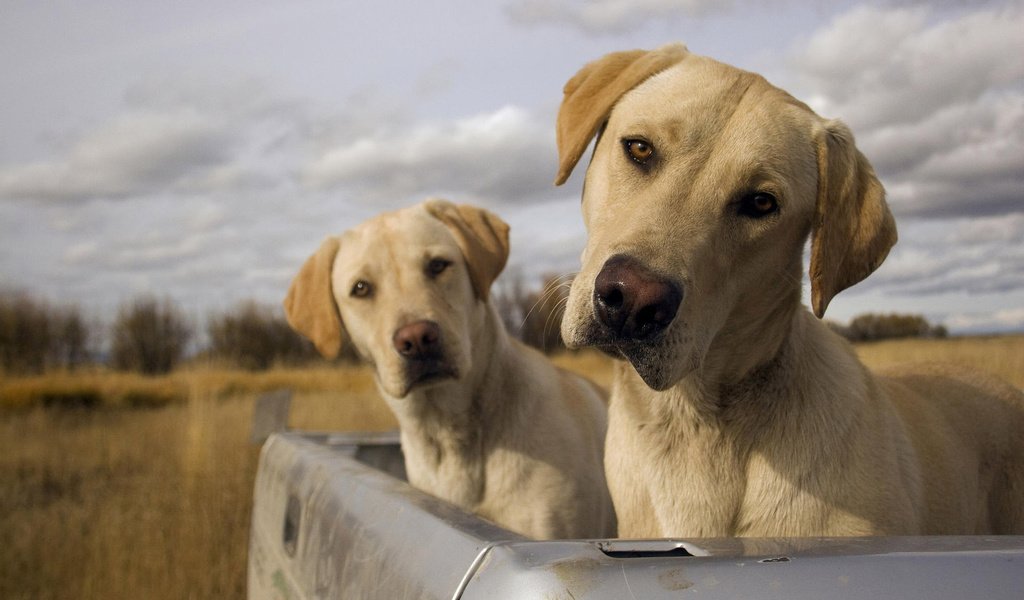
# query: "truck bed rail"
{"type": "Point", "coordinates": [334, 518]}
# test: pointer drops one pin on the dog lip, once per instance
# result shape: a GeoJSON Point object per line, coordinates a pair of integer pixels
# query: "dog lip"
{"type": "Point", "coordinates": [645, 361]}
{"type": "Point", "coordinates": [422, 373]}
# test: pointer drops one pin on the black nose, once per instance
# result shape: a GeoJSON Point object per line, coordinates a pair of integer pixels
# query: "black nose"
{"type": "Point", "coordinates": [419, 340]}
{"type": "Point", "coordinates": [633, 302]}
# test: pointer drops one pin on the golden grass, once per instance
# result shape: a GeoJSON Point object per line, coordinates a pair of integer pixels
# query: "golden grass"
{"type": "Point", "coordinates": [1002, 356]}
{"type": "Point", "coordinates": [112, 502]}
{"type": "Point", "coordinates": [126, 504]}
{"type": "Point", "coordinates": [589, 363]}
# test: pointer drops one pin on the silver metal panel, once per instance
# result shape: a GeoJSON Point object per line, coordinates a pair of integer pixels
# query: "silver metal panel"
{"type": "Point", "coordinates": [904, 568]}
{"type": "Point", "coordinates": [332, 518]}
{"type": "Point", "coordinates": [328, 526]}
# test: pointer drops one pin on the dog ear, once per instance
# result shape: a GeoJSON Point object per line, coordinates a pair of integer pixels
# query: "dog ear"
{"type": "Point", "coordinates": [853, 229]}
{"type": "Point", "coordinates": [310, 307]}
{"type": "Point", "coordinates": [590, 95]}
{"type": "Point", "coordinates": [481, 235]}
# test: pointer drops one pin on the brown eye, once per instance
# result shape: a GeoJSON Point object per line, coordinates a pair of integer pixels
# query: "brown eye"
{"type": "Point", "coordinates": [638, 151]}
{"type": "Point", "coordinates": [758, 205]}
{"type": "Point", "coordinates": [361, 289]}
{"type": "Point", "coordinates": [436, 266]}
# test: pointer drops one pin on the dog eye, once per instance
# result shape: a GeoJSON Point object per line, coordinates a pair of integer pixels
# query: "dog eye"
{"type": "Point", "coordinates": [758, 205]}
{"type": "Point", "coordinates": [436, 266]}
{"type": "Point", "coordinates": [638, 151]}
{"type": "Point", "coordinates": [361, 289]}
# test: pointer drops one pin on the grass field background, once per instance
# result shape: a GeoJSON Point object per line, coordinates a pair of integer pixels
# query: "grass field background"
{"type": "Point", "coordinates": [121, 486]}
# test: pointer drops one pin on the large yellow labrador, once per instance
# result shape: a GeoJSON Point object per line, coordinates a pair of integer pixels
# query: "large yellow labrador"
{"type": "Point", "coordinates": [486, 422]}
{"type": "Point", "coordinates": [738, 412]}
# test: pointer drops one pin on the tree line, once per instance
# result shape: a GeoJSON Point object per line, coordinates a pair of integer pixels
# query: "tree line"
{"type": "Point", "coordinates": [873, 327]}
{"type": "Point", "coordinates": [148, 335]}
{"type": "Point", "coordinates": [153, 336]}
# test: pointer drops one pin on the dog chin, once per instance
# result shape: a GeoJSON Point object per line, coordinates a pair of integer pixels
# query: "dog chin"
{"type": "Point", "coordinates": [425, 377]}
{"type": "Point", "coordinates": [650, 364]}
{"type": "Point", "coordinates": [650, 360]}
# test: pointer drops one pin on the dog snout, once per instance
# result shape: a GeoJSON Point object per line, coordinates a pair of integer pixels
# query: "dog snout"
{"type": "Point", "coordinates": [633, 302]}
{"type": "Point", "coordinates": [420, 340]}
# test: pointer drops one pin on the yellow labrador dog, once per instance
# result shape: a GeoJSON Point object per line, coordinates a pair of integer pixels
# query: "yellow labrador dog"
{"type": "Point", "coordinates": [739, 413]}
{"type": "Point", "coordinates": [486, 422]}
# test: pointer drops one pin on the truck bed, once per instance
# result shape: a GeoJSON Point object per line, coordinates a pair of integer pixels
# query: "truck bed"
{"type": "Point", "coordinates": [333, 517]}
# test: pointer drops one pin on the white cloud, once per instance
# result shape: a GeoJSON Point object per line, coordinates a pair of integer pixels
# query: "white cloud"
{"type": "Point", "coordinates": [505, 155]}
{"type": "Point", "coordinates": [608, 16]}
{"type": "Point", "coordinates": [972, 256]}
{"type": "Point", "coordinates": [875, 66]}
{"type": "Point", "coordinates": [133, 154]}
{"type": "Point", "coordinates": [1010, 319]}
{"type": "Point", "coordinates": [180, 136]}
{"type": "Point", "coordinates": [936, 99]}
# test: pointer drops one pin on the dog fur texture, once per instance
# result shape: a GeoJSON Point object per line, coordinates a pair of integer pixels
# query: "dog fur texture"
{"type": "Point", "coordinates": [486, 422]}
{"type": "Point", "coordinates": [736, 411]}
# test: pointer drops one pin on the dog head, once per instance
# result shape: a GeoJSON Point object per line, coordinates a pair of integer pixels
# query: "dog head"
{"type": "Point", "coordinates": [704, 184]}
{"type": "Point", "coordinates": [408, 289]}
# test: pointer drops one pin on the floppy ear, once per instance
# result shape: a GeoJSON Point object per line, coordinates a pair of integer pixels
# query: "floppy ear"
{"type": "Point", "coordinates": [310, 307]}
{"type": "Point", "coordinates": [594, 90]}
{"type": "Point", "coordinates": [481, 235]}
{"type": "Point", "coordinates": [853, 229]}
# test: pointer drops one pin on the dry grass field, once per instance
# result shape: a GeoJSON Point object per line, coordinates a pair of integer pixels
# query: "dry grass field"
{"type": "Point", "coordinates": [118, 486]}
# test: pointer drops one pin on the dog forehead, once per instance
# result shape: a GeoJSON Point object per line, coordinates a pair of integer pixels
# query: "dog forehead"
{"type": "Point", "coordinates": [395, 236]}
{"type": "Point", "coordinates": [701, 100]}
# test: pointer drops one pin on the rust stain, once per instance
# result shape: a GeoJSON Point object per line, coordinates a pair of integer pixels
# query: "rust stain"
{"type": "Point", "coordinates": [674, 580]}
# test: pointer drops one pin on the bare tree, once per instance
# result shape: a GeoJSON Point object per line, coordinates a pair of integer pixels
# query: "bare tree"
{"type": "Point", "coordinates": [509, 297]}
{"type": "Point", "coordinates": [256, 337]}
{"type": "Point", "coordinates": [25, 333]}
{"type": "Point", "coordinates": [72, 339]}
{"type": "Point", "coordinates": [534, 316]}
{"type": "Point", "coordinates": [149, 336]}
{"type": "Point", "coordinates": [35, 336]}
{"type": "Point", "coordinates": [542, 323]}
{"type": "Point", "coordinates": [870, 327]}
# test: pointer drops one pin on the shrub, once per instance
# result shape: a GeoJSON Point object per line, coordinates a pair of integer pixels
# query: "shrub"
{"type": "Point", "coordinates": [872, 327]}
{"type": "Point", "coordinates": [148, 337]}
{"type": "Point", "coordinates": [256, 337]}
{"type": "Point", "coordinates": [35, 336]}
{"type": "Point", "coordinates": [534, 316]}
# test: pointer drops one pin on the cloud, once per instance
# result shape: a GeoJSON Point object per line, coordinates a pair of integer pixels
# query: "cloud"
{"type": "Point", "coordinates": [133, 154]}
{"type": "Point", "coordinates": [877, 66]}
{"type": "Point", "coordinates": [936, 100]}
{"type": "Point", "coordinates": [972, 256]}
{"type": "Point", "coordinates": [607, 16]}
{"type": "Point", "coordinates": [502, 156]}
{"type": "Point", "coordinates": [179, 136]}
{"type": "Point", "coordinates": [1010, 319]}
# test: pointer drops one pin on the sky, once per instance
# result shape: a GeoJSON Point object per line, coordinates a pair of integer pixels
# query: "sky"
{"type": "Point", "coordinates": [201, 150]}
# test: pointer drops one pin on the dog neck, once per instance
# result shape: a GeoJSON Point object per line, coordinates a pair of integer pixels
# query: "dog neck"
{"type": "Point", "coordinates": [751, 354]}
{"type": "Point", "coordinates": [443, 426]}
{"type": "Point", "coordinates": [754, 333]}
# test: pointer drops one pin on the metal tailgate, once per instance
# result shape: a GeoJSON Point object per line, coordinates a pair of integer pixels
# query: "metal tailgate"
{"type": "Point", "coordinates": [334, 518]}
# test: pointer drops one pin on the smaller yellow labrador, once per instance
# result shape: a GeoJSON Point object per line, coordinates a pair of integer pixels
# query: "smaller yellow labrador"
{"type": "Point", "coordinates": [486, 422]}
{"type": "Point", "coordinates": [739, 413]}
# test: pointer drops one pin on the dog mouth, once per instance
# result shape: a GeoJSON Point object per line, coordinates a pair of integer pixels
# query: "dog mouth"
{"type": "Point", "coordinates": [647, 360]}
{"type": "Point", "coordinates": [646, 356]}
{"type": "Point", "coordinates": [423, 373]}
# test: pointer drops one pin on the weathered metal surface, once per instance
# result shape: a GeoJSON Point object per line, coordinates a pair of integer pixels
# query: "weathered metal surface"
{"type": "Point", "coordinates": [333, 519]}
{"type": "Point", "coordinates": [270, 414]}
{"type": "Point", "coordinates": [905, 568]}
{"type": "Point", "coordinates": [359, 532]}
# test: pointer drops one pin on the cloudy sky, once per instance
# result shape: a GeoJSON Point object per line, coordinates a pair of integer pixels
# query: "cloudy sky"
{"type": "Point", "coordinates": [200, 150]}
